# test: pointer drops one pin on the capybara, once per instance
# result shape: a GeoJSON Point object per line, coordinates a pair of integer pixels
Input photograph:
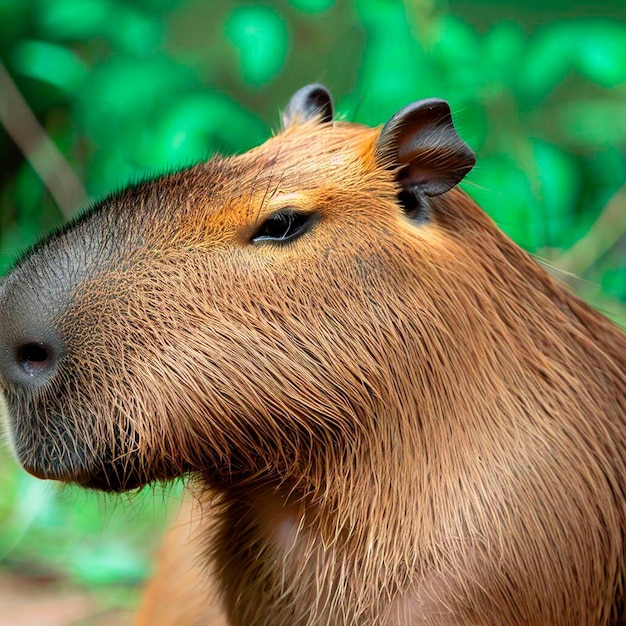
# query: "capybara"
{"type": "Point", "coordinates": [394, 414]}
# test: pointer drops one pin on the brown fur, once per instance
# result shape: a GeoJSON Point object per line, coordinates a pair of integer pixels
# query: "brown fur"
{"type": "Point", "coordinates": [182, 592]}
{"type": "Point", "coordinates": [395, 423]}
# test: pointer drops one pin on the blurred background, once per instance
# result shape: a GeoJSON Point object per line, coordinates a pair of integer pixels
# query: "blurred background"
{"type": "Point", "coordinates": [97, 93]}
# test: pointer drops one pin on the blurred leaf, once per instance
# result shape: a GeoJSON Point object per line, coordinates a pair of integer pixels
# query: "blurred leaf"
{"type": "Point", "coordinates": [33, 216]}
{"type": "Point", "coordinates": [597, 49]}
{"type": "Point", "coordinates": [123, 24]}
{"type": "Point", "coordinates": [11, 244]}
{"type": "Point", "coordinates": [312, 6]}
{"type": "Point", "coordinates": [459, 54]}
{"type": "Point", "coordinates": [28, 193]}
{"type": "Point", "coordinates": [135, 32]}
{"type": "Point", "coordinates": [504, 45]}
{"type": "Point", "coordinates": [14, 18]}
{"type": "Point", "coordinates": [504, 191]}
{"type": "Point", "coordinates": [614, 281]}
{"type": "Point", "coordinates": [394, 70]}
{"type": "Point", "coordinates": [35, 500]}
{"type": "Point", "coordinates": [117, 167]}
{"type": "Point", "coordinates": [606, 168]}
{"type": "Point", "coordinates": [471, 123]}
{"type": "Point", "coordinates": [10, 6]}
{"type": "Point", "coordinates": [198, 125]}
{"type": "Point", "coordinates": [601, 52]}
{"type": "Point", "coordinates": [157, 6]}
{"type": "Point", "coordinates": [370, 10]}
{"type": "Point", "coordinates": [594, 122]}
{"type": "Point", "coordinates": [70, 19]}
{"type": "Point", "coordinates": [559, 189]}
{"type": "Point", "coordinates": [547, 60]}
{"type": "Point", "coordinates": [261, 38]}
{"type": "Point", "coordinates": [106, 562]}
{"type": "Point", "coordinates": [50, 63]}
{"type": "Point", "coordinates": [123, 91]}
{"type": "Point", "coordinates": [505, 48]}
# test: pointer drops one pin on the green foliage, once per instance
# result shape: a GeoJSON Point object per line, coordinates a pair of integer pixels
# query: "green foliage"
{"type": "Point", "coordinates": [126, 88]}
{"type": "Point", "coordinates": [260, 36]}
{"type": "Point", "coordinates": [92, 538]}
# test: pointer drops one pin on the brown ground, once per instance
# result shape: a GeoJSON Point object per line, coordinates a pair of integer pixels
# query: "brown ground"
{"type": "Point", "coordinates": [32, 602]}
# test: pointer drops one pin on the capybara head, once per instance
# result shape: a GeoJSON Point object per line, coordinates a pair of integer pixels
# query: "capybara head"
{"type": "Point", "coordinates": [254, 316]}
{"type": "Point", "coordinates": [233, 317]}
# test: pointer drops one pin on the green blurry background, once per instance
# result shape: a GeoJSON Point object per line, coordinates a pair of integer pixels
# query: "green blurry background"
{"type": "Point", "coordinates": [126, 88]}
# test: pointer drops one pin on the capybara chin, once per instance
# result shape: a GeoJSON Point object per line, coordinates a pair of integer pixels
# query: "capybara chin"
{"type": "Point", "coordinates": [397, 415]}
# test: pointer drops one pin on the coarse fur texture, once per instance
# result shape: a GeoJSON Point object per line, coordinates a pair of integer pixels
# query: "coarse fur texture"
{"type": "Point", "coordinates": [395, 421]}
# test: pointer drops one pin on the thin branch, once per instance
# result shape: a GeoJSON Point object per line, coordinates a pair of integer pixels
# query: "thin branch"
{"type": "Point", "coordinates": [607, 230]}
{"type": "Point", "coordinates": [31, 138]}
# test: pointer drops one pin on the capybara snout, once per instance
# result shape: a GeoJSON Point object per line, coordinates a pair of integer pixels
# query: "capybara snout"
{"type": "Point", "coordinates": [400, 417]}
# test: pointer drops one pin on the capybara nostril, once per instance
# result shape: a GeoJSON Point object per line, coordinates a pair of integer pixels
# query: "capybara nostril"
{"type": "Point", "coordinates": [36, 358]}
{"type": "Point", "coordinates": [31, 347]}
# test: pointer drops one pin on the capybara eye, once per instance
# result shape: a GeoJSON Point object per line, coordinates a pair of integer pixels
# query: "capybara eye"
{"type": "Point", "coordinates": [282, 226]}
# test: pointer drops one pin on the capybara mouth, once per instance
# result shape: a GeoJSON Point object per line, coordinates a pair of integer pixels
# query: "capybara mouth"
{"type": "Point", "coordinates": [48, 446]}
{"type": "Point", "coordinates": [74, 467]}
{"type": "Point", "coordinates": [111, 480]}
{"type": "Point", "coordinates": [105, 479]}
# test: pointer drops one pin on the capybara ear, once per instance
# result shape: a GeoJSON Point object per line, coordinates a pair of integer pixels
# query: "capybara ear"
{"type": "Point", "coordinates": [309, 102]}
{"type": "Point", "coordinates": [422, 140]}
